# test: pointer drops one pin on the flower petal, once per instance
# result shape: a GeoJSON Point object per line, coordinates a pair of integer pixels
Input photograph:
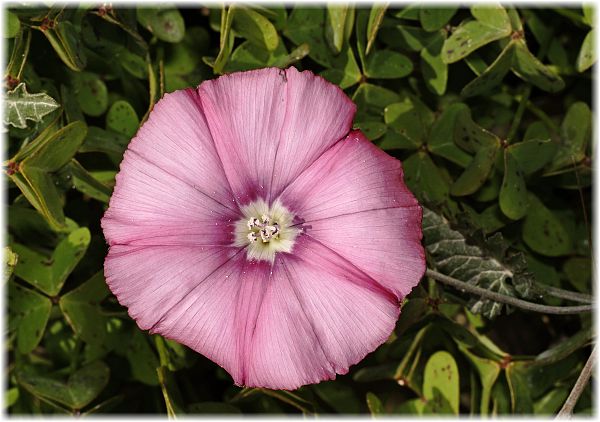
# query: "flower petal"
{"type": "Point", "coordinates": [270, 124]}
{"type": "Point", "coordinates": [150, 280]}
{"type": "Point", "coordinates": [354, 201]}
{"type": "Point", "coordinates": [217, 317]}
{"type": "Point", "coordinates": [318, 114]}
{"type": "Point", "coordinates": [171, 188]}
{"type": "Point", "coordinates": [319, 315]}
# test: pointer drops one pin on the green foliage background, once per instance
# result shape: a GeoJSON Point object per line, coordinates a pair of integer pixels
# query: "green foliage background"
{"type": "Point", "coordinates": [489, 109]}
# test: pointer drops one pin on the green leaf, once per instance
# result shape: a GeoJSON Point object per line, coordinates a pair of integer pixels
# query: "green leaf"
{"type": "Point", "coordinates": [476, 173]}
{"type": "Point", "coordinates": [305, 25]}
{"type": "Point", "coordinates": [49, 274]}
{"type": "Point", "coordinates": [492, 23]}
{"type": "Point", "coordinates": [76, 392]}
{"type": "Point", "coordinates": [579, 273]}
{"type": "Point", "coordinates": [82, 311]}
{"type": "Point", "coordinates": [369, 97]}
{"type": "Point", "coordinates": [10, 262]}
{"type": "Point", "coordinates": [22, 106]}
{"type": "Point", "coordinates": [589, 14]}
{"type": "Point", "coordinates": [469, 135]}
{"type": "Point", "coordinates": [441, 374]}
{"type": "Point", "coordinates": [122, 118]}
{"type": "Point", "coordinates": [248, 56]}
{"type": "Point", "coordinates": [566, 347]}
{"type": "Point", "coordinates": [587, 54]}
{"type": "Point", "coordinates": [513, 193]}
{"type": "Point", "coordinates": [410, 118]}
{"type": "Point", "coordinates": [451, 254]}
{"type": "Point", "coordinates": [165, 23]}
{"type": "Point", "coordinates": [575, 133]}
{"type": "Point", "coordinates": [488, 371]}
{"type": "Point", "coordinates": [28, 313]}
{"type": "Point", "coordinates": [255, 28]}
{"type": "Point", "coordinates": [13, 25]}
{"type": "Point", "coordinates": [544, 232]}
{"type": "Point", "coordinates": [227, 38]}
{"type": "Point", "coordinates": [374, 404]}
{"type": "Point", "coordinates": [435, 71]}
{"type": "Point", "coordinates": [531, 70]}
{"type": "Point", "coordinates": [532, 155]}
{"type": "Point", "coordinates": [439, 143]}
{"type": "Point", "coordinates": [551, 402]}
{"type": "Point", "coordinates": [11, 397]}
{"type": "Point", "coordinates": [91, 92]}
{"type": "Point", "coordinates": [376, 15]}
{"type": "Point", "coordinates": [435, 18]}
{"type": "Point", "coordinates": [536, 130]}
{"type": "Point", "coordinates": [41, 192]}
{"type": "Point", "coordinates": [493, 75]}
{"type": "Point", "coordinates": [372, 129]}
{"type": "Point", "coordinates": [85, 183]}
{"type": "Point", "coordinates": [57, 150]}
{"type": "Point", "coordinates": [142, 359]}
{"type": "Point", "coordinates": [19, 54]}
{"type": "Point", "coordinates": [335, 26]}
{"type": "Point", "coordinates": [66, 41]}
{"type": "Point", "coordinates": [520, 390]}
{"type": "Point", "coordinates": [387, 64]}
{"type": "Point", "coordinates": [406, 37]}
{"type": "Point", "coordinates": [340, 397]}
{"type": "Point", "coordinates": [425, 179]}
{"type": "Point", "coordinates": [101, 140]}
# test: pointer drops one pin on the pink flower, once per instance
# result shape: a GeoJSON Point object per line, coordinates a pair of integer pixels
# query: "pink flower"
{"type": "Point", "coordinates": [251, 224]}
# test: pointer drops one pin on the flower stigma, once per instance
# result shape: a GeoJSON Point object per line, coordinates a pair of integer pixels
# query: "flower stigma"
{"type": "Point", "coordinates": [265, 230]}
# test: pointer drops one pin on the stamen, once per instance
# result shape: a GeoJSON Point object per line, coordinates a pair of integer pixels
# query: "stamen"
{"type": "Point", "coordinates": [265, 230]}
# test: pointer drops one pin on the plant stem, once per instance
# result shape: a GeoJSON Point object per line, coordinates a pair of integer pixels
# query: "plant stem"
{"type": "Point", "coordinates": [539, 113]}
{"type": "Point", "coordinates": [519, 114]}
{"type": "Point", "coordinates": [508, 300]}
{"type": "Point", "coordinates": [567, 409]}
{"type": "Point", "coordinates": [565, 294]}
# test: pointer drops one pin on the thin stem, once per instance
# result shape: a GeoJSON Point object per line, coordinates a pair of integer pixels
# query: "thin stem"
{"type": "Point", "coordinates": [508, 300]}
{"type": "Point", "coordinates": [539, 113]}
{"type": "Point", "coordinates": [519, 114]}
{"type": "Point", "coordinates": [564, 294]}
{"type": "Point", "coordinates": [567, 409]}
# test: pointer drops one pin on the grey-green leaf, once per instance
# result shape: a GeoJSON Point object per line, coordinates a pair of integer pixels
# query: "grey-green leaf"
{"type": "Point", "coordinates": [451, 254]}
{"type": "Point", "coordinates": [22, 106]}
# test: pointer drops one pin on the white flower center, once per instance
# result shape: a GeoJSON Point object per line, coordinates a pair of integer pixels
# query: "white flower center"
{"type": "Point", "coordinates": [265, 230]}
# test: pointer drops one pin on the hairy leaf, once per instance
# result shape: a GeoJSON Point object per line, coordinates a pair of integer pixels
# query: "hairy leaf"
{"type": "Point", "coordinates": [22, 106]}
